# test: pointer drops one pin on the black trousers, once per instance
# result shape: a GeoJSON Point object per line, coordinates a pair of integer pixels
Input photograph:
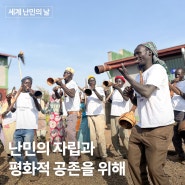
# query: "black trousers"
{"type": "Point", "coordinates": [177, 140]}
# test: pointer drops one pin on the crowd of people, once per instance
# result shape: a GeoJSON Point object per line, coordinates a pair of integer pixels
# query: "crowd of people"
{"type": "Point", "coordinates": [146, 144]}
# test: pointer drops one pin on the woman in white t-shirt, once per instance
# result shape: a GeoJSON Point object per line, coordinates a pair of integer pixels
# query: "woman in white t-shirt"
{"type": "Point", "coordinates": [9, 123]}
{"type": "Point", "coordinates": [119, 106]}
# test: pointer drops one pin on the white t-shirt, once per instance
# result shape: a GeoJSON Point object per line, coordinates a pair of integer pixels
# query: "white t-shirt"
{"type": "Point", "coordinates": [64, 109]}
{"type": "Point", "coordinates": [177, 101]}
{"type": "Point", "coordinates": [10, 116]}
{"type": "Point", "coordinates": [156, 110]}
{"type": "Point", "coordinates": [93, 105]}
{"type": "Point", "coordinates": [118, 105]}
{"type": "Point", "coordinates": [26, 112]}
{"type": "Point", "coordinates": [72, 104]}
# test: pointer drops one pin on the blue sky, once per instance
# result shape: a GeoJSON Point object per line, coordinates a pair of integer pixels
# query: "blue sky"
{"type": "Point", "coordinates": [81, 32]}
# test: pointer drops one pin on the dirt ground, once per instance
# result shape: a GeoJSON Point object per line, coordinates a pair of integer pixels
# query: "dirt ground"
{"type": "Point", "coordinates": [174, 169]}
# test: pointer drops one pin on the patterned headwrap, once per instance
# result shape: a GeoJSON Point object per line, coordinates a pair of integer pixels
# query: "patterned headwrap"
{"type": "Point", "coordinates": [156, 60]}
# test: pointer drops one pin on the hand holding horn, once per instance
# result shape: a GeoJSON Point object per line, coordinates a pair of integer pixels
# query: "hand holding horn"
{"type": "Point", "coordinates": [128, 91]}
{"type": "Point", "coordinates": [55, 90]}
{"type": "Point", "coordinates": [175, 89]}
{"type": "Point", "coordinates": [12, 103]}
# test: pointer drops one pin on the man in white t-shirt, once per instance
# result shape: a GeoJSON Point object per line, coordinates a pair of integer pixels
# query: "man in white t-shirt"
{"type": "Point", "coordinates": [96, 119]}
{"type": "Point", "coordinates": [119, 105]}
{"type": "Point", "coordinates": [178, 102]}
{"type": "Point", "coordinates": [150, 138]}
{"type": "Point", "coordinates": [72, 106]}
{"type": "Point", "coordinates": [27, 107]}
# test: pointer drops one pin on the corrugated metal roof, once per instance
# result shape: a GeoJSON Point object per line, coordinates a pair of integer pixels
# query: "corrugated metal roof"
{"type": "Point", "coordinates": [172, 51]}
{"type": "Point", "coordinates": [7, 55]}
{"type": "Point", "coordinates": [129, 61]}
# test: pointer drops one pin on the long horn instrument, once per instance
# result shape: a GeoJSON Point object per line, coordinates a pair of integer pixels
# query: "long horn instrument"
{"type": "Point", "coordinates": [37, 94]}
{"type": "Point", "coordinates": [107, 67]}
{"type": "Point", "coordinates": [107, 83]}
{"type": "Point", "coordinates": [108, 97]}
{"type": "Point", "coordinates": [87, 91]}
{"type": "Point", "coordinates": [11, 94]}
{"type": "Point", "coordinates": [51, 81]}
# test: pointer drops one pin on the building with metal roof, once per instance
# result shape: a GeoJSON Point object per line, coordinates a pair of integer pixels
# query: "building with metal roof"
{"type": "Point", "coordinates": [174, 57]}
{"type": "Point", "coordinates": [5, 61]}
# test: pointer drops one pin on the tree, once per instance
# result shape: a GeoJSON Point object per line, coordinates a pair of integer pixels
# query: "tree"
{"type": "Point", "coordinates": [45, 94]}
